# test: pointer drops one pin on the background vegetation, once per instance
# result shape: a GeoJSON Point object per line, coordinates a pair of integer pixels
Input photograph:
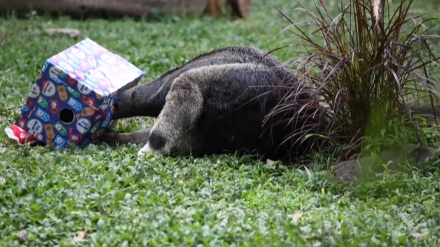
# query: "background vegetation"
{"type": "Point", "coordinates": [105, 196]}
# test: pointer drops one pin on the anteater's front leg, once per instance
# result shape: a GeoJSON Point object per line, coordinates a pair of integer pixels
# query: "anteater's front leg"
{"type": "Point", "coordinates": [140, 136]}
{"type": "Point", "coordinates": [179, 115]}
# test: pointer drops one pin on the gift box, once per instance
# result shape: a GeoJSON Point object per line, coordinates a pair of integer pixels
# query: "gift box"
{"type": "Point", "coordinates": [71, 102]}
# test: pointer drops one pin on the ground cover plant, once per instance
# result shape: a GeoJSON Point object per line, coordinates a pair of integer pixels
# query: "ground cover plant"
{"type": "Point", "coordinates": [101, 196]}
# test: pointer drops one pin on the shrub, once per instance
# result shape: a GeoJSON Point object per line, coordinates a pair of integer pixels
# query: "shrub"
{"type": "Point", "coordinates": [369, 64]}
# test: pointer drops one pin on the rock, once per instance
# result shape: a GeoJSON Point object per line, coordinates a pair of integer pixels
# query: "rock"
{"type": "Point", "coordinates": [353, 169]}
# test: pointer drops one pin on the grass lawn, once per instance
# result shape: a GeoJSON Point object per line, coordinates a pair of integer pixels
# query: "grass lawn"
{"type": "Point", "coordinates": [48, 196]}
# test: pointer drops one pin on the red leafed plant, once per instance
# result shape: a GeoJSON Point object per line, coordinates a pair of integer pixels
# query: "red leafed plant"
{"type": "Point", "coordinates": [370, 64]}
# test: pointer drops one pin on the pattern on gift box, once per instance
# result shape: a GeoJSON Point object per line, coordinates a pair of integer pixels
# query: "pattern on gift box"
{"type": "Point", "coordinates": [72, 99]}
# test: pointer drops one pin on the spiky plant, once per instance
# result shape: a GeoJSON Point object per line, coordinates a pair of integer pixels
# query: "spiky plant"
{"type": "Point", "coordinates": [368, 63]}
